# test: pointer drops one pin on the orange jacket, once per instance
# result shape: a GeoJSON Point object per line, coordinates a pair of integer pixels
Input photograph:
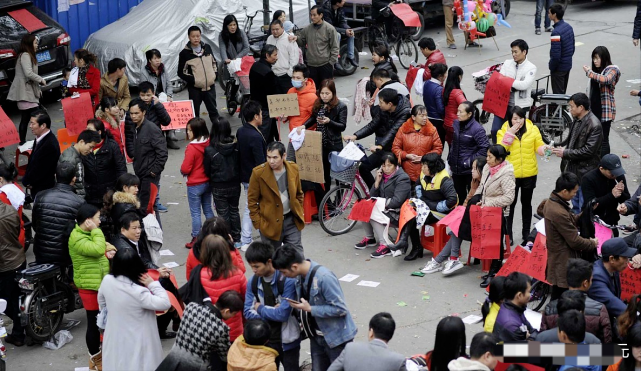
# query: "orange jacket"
{"type": "Point", "coordinates": [421, 142]}
{"type": "Point", "coordinates": [306, 99]}
{"type": "Point", "coordinates": [192, 261]}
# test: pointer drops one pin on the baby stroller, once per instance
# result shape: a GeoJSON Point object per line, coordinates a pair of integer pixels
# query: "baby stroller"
{"type": "Point", "coordinates": [237, 87]}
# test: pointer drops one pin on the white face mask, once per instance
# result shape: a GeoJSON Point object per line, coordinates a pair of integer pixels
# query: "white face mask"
{"type": "Point", "coordinates": [297, 84]}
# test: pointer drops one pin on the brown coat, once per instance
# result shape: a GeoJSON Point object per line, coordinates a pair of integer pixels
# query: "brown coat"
{"type": "Point", "coordinates": [263, 200]}
{"type": "Point", "coordinates": [410, 141]}
{"type": "Point", "coordinates": [122, 96]}
{"type": "Point", "coordinates": [563, 240]}
{"type": "Point", "coordinates": [11, 251]}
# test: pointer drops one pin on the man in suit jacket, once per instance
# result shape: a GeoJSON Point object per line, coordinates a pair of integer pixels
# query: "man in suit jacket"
{"type": "Point", "coordinates": [373, 355]}
{"type": "Point", "coordinates": [41, 170]}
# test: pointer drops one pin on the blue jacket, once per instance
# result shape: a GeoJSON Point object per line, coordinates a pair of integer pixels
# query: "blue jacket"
{"type": "Point", "coordinates": [468, 142]}
{"type": "Point", "coordinates": [511, 325]}
{"type": "Point", "coordinates": [267, 313]}
{"type": "Point", "coordinates": [433, 100]}
{"type": "Point", "coordinates": [252, 150]}
{"type": "Point", "coordinates": [603, 291]}
{"type": "Point", "coordinates": [328, 306]}
{"type": "Point", "coordinates": [562, 47]}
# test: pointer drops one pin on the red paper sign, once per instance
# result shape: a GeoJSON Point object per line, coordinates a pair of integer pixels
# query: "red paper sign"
{"type": "Point", "coordinates": [180, 112]}
{"type": "Point", "coordinates": [517, 259]}
{"type": "Point", "coordinates": [497, 94]}
{"type": "Point", "coordinates": [630, 283]}
{"type": "Point", "coordinates": [362, 210]}
{"type": "Point", "coordinates": [77, 111]}
{"type": "Point", "coordinates": [453, 219]}
{"type": "Point", "coordinates": [405, 13]}
{"type": "Point", "coordinates": [538, 262]}
{"type": "Point", "coordinates": [8, 132]}
{"type": "Point", "coordinates": [486, 232]}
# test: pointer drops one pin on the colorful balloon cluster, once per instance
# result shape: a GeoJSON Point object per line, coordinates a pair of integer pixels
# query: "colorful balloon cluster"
{"type": "Point", "coordinates": [476, 17]}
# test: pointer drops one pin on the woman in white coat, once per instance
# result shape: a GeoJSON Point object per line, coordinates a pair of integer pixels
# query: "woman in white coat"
{"type": "Point", "coordinates": [131, 298]}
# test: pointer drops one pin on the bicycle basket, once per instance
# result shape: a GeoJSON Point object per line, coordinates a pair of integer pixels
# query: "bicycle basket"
{"type": "Point", "coordinates": [342, 169]}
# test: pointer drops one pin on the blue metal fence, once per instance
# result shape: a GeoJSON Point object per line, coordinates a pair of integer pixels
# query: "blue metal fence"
{"type": "Point", "coordinates": [82, 19]}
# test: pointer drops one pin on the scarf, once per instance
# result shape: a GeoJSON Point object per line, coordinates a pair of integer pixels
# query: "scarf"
{"type": "Point", "coordinates": [387, 177]}
{"type": "Point", "coordinates": [151, 70]}
{"type": "Point", "coordinates": [82, 78]}
{"type": "Point", "coordinates": [98, 146]}
{"type": "Point", "coordinates": [495, 169]}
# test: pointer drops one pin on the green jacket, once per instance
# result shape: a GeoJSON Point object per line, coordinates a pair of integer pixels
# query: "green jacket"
{"type": "Point", "coordinates": [90, 265]}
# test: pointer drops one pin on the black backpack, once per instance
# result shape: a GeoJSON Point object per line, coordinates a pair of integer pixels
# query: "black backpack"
{"type": "Point", "coordinates": [280, 284]}
{"type": "Point", "coordinates": [223, 168]}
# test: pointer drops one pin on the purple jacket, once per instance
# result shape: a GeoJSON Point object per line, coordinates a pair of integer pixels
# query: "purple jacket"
{"type": "Point", "coordinates": [511, 325]}
{"type": "Point", "coordinates": [468, 142]}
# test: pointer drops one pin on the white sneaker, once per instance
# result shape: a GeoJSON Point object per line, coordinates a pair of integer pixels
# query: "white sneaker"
{"type": "Point", "coordinates": [397, 253]}
{"type": "Point", "coordinates": [452, 266]}
{"type": "Point", "coordinates": [432, 267]}
{"type": "Point", "coordinates": [244, 247]}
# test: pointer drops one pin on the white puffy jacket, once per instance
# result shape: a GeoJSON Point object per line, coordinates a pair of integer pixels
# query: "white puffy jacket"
{"type": "Point", "coordinates": [523, 77]}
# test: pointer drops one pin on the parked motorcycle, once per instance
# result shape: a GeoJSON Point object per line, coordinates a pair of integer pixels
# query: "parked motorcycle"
{"type": "Point", "coordinates": [46, 296]}
{"type": "Point", "coordinates": [3, 333]}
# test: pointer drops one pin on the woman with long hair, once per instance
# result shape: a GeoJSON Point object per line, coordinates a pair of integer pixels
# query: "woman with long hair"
{"type": "Point", "coordinates": [131, 299]}
{"type": "Point", "coordinates": [223, 170]}
{"type": "Point", "coordinates": [233, 43]}
{"type": "Point", "coordinates": [382, 60]}
{"type": "Point", "coordinates": [492, 305]}
{"type": "Point", "coordinates": [453, 96]}
{"type": "Point", "coordinates": [154, 72]}
{"type": "Point", "coordinates": [25, 88]}
{"type": "Point", "coordinates": [524, 141]}
{"type": "Point", "coordinates": [109, 113]}
{"type": "Point", "coordinates": [125, 199]}
{"type": "Point", "coordinates": [633, 361]}
{"type": "Point", "coordinates": [477, 170]}
{"type": "Point", "coordinates": [603, 78]}
{"type": "Point", "coordinates": [630, 317]}
{"type": "Point", "coordinates": [280, 15]}
{"type": "Point", "coordinates": [219, 274]}
{"type": "Point", "coordinates": [85, 77]}
{"type": "Point", "coordinates": [198, 191]}
{"type": "Point", "coordinates": [88, 251]}
{"type": "Point", "coordinates": [329, 116]}
{"type": "Point", "coordinates": [449, 344]}
{"type": "Point", "coordinates": [214, 226]}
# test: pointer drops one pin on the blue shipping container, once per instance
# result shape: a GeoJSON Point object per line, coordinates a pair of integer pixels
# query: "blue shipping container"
{"type": "Point", "coordinates": [87, 17]}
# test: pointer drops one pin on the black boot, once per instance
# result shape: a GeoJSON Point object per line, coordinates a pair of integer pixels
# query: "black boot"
{"type": "Point", "coordinates": [417, 248]}
{"type": "Point", "coordinates": [494, 268]}
{"type": "Point", "coordinates": [403, 240]}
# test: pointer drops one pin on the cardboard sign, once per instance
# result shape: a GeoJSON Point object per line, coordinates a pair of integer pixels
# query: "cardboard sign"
{"type": "Point", "coordinates": [486, 232]}
{"type": "Point", "coordinates": [497, 94]}
{"type": "Point", "coordinates": [453, 219]}
{"type": "Point", "coordinates": [538, 261]}
{"type": "Point", "coordinates": [283, 105]}
{"type": "Point", "coordinates": [8, 132]}
{"type": "Point", "coordinates": [602, 234]}
{"type": "Point", "coordinates": [630, 283]}
{"type": "Point", "coordinates": [309, 158]}
{"type": "Point", "coordinates": [180, 112]}
{"type": "Point", "coordinates": [77, 111]}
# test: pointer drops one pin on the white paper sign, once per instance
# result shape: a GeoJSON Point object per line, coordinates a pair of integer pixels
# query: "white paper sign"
{"type": "Point", "coordinates": [166, 253]}
{"type": "Point", "coordinates": [535, 318]}
{"type": "Point", "coordinates": [368, 283]}
{"type": "Point", "coordinates": [349, 277]}
{"type": "Point", "coordinates": [540, 226]}
{"type": "Point", "coordinates": [352, 152]}
{"type": "Point", "coordinates": [171, 265]}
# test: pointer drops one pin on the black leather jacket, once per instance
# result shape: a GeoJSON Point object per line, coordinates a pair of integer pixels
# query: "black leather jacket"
{"type": "Point", "coordinates": [386, 124]}
{"type": "Point", "coordinates": [102, 169]}
{"type": "Point", "coordinates": [54, 217]}
{"type": "Point", "coordinates": [336, 126]}
{"type": "Point", "coordinates": [148, 150]}
{"type": "Point", "coordinates": [583, 152]}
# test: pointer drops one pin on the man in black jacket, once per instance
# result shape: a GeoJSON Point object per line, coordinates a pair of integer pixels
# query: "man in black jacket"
{"type": "Point", "coordinates": [608, 187]}
{"type": "Point", "coordinates": [148, 150]}
{"type": "Point", "coordinates": [263, 82]}
{"type": "Point", "coordinates": [197, 66]}
{"type": "Point", "coordinates": [40, 174]}
{"type": "Point", "coordinates": [103, 166]}
{"type": "Point", "coordinates": [54, 216]}
{"type": "Point", "coordinates": [253, 152]}
{"type": "Point", "coordinates": [156, 113]}
{"type": "Point", "coordinates": [394, 111]}
{"type": "Point", "coordinates": [335, 15]}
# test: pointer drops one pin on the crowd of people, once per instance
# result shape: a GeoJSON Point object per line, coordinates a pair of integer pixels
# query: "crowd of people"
{"type": "Point", "coordinates": [101, 224]}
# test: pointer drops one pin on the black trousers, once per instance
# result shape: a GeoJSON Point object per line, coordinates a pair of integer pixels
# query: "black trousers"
{"type": "Point", "coordinates": [559, 81]}
{"type": "Point", "coordinates": [318, 74]}
{"type": "Point", "coordinates": [462, 185]}
{"type": "Point", "coordinates": [373, 162]}
{"type": "Point", "coordinates": [557, 291]}
{"type": "Point", "coordinates": [605, 145]}
{"type": "Point", "coordinates": [24, 123]}
{"type": "Point", "coordinates": [269, 127]}
{"type": "Point", "coordinates": [164, 319]}
{"type": "Point", "coordinates": [92, 337]}
{"type": "Point", "coordinates": [208, 97]}
{"type": "Point", "coordinates": [440, 129]}
{"type": "Point", "coordinates": [10, 292]}
{"type": "Point", "coordinates": [145, 189]}
{"type": "Point", "coordinates": [526, 185]}
{"type": "Point", "coordinates": [284, 83]}
{"type": "Point", "coordinates": [289, 358]}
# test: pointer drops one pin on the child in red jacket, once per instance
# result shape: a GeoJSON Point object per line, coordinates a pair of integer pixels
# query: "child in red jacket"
{"type": "Point", "coordinates": [198, 191]}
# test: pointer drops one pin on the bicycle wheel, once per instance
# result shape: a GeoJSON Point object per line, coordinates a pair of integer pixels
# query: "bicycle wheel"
{"type": "Point", "coordinates": [559, 136]}
{"type": "Point", "coordinates": [483, 117]}
{"type": "Point", "coordinates": [539, 295]}
{"type": "Point", "coordinates": [231, 101]}
{"type": "Point", "coordinates": [336, 207]}
{"type": "Point", "coordinates": [407, 52]}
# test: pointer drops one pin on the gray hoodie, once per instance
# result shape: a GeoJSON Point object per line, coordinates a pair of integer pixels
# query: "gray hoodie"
{"type": "Point", "coordinates": [464, 364]}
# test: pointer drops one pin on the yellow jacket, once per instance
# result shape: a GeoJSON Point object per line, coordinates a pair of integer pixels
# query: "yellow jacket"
{"type": "Point", "coordinates": [491, 318]}
{"type": "Point", "coordinates": [245, 357]}
{"type": "Point", "coordinates": [522, 152]}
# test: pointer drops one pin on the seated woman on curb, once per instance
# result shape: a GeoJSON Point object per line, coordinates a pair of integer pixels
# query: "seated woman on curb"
{"type": "Point", "coordinates": [393, 185]}
{"type": "Point", "coordinates": [495, 190]}
{"type": "Point", "coordinates": [435, 197]}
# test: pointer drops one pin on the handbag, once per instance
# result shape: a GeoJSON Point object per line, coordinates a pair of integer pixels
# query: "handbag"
{"type": "Point", "coordinates": [305, 319]}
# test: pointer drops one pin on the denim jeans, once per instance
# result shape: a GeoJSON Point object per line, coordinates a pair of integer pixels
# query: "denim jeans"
{"type": "Point", "coordinates": [226, 201]}
{"type": "Point", "coordinates": [542, 6]}
{"type": "Point", "coordinates": [322, 354]}
{"type": "Point", "coordinates": [451, 249]}
{"type": "Point", "coordinates": [350, 44]}
{"type": "Point", "coordinates": [246, 226]}
{"type": "Point", "coordinates": [199, 196]}
{"type": "Point", "coordinates": [577, 202]}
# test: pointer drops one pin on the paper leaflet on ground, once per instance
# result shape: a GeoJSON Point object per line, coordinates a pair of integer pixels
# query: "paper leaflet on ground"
{"type": "Point", "coordinates": [472, 319]}
{"type": "Point", "coordinates": [166, 253]}
{"type": "Point", "coordinates": [349, 277]}
{"type": "Point", "coordinates": [171, 265]}
{"type": "Point", "coordinates": [352, 152]}
{"type": "Point", "coordinates": [368, 283]}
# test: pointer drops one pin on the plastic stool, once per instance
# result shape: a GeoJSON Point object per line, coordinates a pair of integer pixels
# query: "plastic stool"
{"type": "Point", "coordinates": [309, 206]}
{"type": "Point", "coordinates": [436, 242]}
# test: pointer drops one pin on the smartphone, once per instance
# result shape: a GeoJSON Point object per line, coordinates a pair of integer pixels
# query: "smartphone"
{"type": "Point", "coordinates": [292, 301]}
